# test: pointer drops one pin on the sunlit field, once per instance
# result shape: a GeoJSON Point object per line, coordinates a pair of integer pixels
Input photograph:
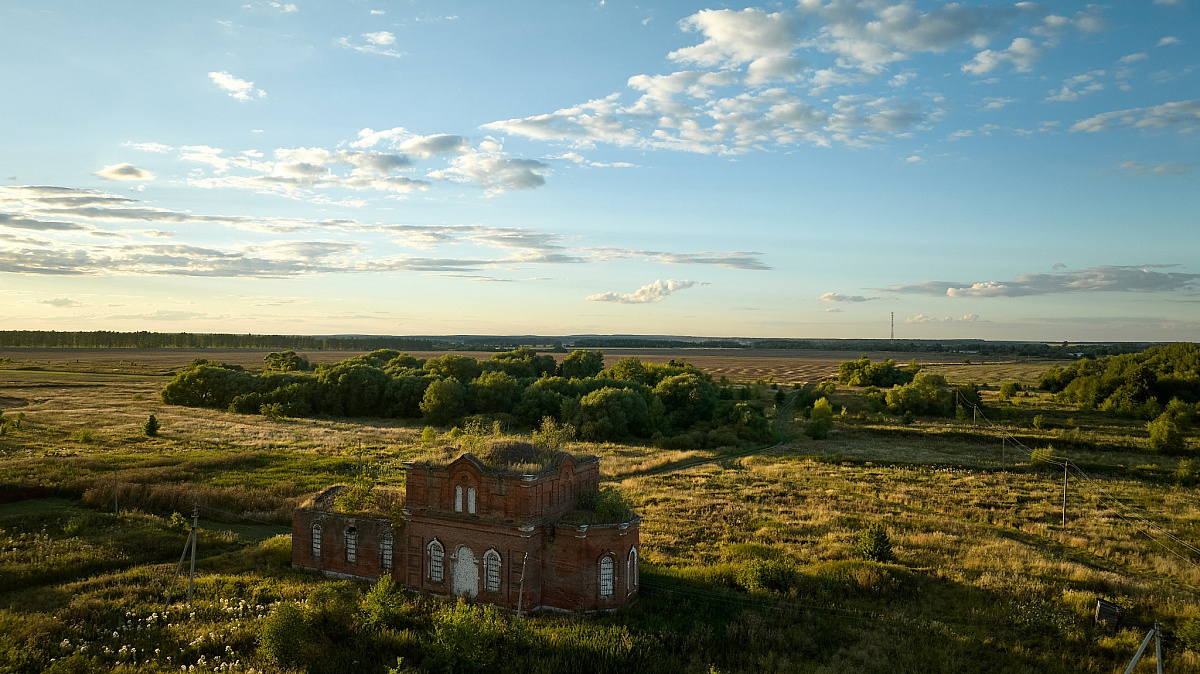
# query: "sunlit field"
{"type": "Point", "coordinates": [749, 560]}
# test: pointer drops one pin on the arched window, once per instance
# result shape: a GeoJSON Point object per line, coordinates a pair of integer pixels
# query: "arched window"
{"type": "Point", "coordinates": [316, 540]}
{"type": "Point", "coordinates": [491, 570]}
{"type": "Point", "coordinates": [351, 545]}
{"type": "Point", "coordinates": [458, 499]}
{"type": "Point", "coordinates": [385, 551]}
{"type": "Point", "coordinates": [631, 571]}
{"type": "Point", "coordinates": [471, 500]}
{"type": "Point", "coordinates": [436, 556]}
{"type": "Point", "coordinates": [606, 576]}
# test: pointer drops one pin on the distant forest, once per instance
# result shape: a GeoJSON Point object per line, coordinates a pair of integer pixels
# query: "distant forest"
{"type": "Point", "coordinates": [186, 340]}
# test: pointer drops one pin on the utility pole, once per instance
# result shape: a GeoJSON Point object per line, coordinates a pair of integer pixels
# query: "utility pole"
{"type": "Point", "coordinates": [1156, 632]}
{"type": "Point", "coordinates": [1064, 491]}
{"type": "Point", "coordinates": [195, 529]}
{"type": "Point", "coordinates": [521, 592]}
{"type": "Point", "coordinates": [893, 326]}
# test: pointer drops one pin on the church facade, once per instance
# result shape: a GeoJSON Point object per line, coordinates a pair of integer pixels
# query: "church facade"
{"type": "Point", "coordinates": [484, 533]}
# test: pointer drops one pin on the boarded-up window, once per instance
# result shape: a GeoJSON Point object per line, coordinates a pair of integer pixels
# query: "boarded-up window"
{"type": "Point", "coordinates": [606, 577]}
{"type": "Point", "coordinates": [471, 500]}
{"type": "Point", "coordinates": [458, 499]}
{"type": "Point", "coordinates": [437, 556]}
{"type": "Point", "coordinates": [316, 541]}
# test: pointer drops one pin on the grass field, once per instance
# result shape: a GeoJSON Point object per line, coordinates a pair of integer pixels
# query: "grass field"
{"type": "Point", "coordinates": [985, 576]}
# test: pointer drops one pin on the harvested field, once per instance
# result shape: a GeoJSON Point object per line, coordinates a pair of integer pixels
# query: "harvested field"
{"type": "Point", "coordinates": [782, 366]}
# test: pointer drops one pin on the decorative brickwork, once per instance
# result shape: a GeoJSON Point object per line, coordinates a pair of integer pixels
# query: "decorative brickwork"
{"type": "Point", "coordinates": [482, 532]}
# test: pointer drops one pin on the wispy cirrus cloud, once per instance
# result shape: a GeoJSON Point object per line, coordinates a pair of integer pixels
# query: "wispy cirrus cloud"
{"type": "Point", "coordinates": [839, 297]}
{"type": "Point", "coordinates": [922, 318]}
{"type": "Point", "coordinates": [1136, 279]}
{"type": "Point", "coordinates": [380, 43]}
{"type": "Point", "coordinates": [1182, 116]}
{"type": "Point", "coordinates": [651, 293]}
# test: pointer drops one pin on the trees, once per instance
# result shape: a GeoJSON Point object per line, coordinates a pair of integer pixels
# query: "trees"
{"type": "Point", "coordinates": [454, 366]}
{"type": "Point", "coordinates": [285, 361]}
{"type": "Point", "coordinates": [862, 372]}
{"type": "Point", "coordinates": [580, 364]}
{"type": "Point", "coordinates": [820, 420]}
{"type": "Point", "coordinates": [928, 394]}
{"type": "Point", "coordinates": [444, 401]}
{"type": "Point", "coordinates": [150, 426]}
{"type": "Point", "coordinates": [612, 414]}
{"type": "Point", "coordinates": [495, 391]}
{"type": "Point", "coordinates": [688, 398]}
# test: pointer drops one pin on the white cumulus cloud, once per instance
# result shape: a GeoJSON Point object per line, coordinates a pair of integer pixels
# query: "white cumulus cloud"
{"type": "Point", "coordinates": [242, 90]}
{"type": "Point", "coordinates": [647, 294]}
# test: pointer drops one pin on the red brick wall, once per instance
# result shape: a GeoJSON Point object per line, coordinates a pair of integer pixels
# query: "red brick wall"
{"type": "Point", "coordinates": [368, 562]}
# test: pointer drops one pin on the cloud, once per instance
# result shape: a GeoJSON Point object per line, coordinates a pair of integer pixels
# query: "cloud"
{"type": "Point", "coordinates": [1133, 58]}
{"type": "Point", "coordinates": [1167, 41]}
{"type": "Point", "coordinates": [61, 302]}
{"type": "Point", "coordinates": [1075, 87]}
{"type": "Point", "coordinates": [733, 38]}
{"type": "Point", "coordinates": [1184, 116]}
{"type": "Point", "coordinates": [381, 38]}
{"type": "Point", "coordinates": [647, 294]}
{"type": "Point", "coordinates": [375, 43]}
{"type": "Point", "coordinates": [239, 89]}
{"type": "Point", "coordinates": [494, 170]}
{"type": "Point", "coordinates": [1139, 279]}
{"type": "Point", "coordinates": [996, 103]}
{"type": "Point", "coordinates": [922, 318]}
{"type": "Point", "coordinates": [839, 297]}
{"type": "Point", "coordinates": [732, 260]}
{"type": "Point", "coordinates": [1166, 169]}
{"type": "Point", "coordinates": [22, 222]}
{"type": "Point", "coordinates": [124, 172]}
{"type": "Point", "coordinates": [149, 147]}
{"type": "Point", "coordinates": [1021, 55]}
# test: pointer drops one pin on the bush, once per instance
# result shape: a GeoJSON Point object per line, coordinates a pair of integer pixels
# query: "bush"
{"type": "Point", "coordinates": [1039, 422]}
{"type": "Point", "coordinates": [820, 420]}
{"type": "Point", "coordinates": [1165, 434]}
{"type": "Point", "coordinates": [1189, 634]}
{"type": "Point", "coordinates": [150, 426]}
{"type": "Point", "coordinates": [384, 606]}
{"type": "Point", "coordinates": [767, 575]}
{"type": "Point", "coordinates": [1009, 389]}
{"type": "Point", "coordinates": [282, 635]}
{"type": "Point", "coordinates": [874, 544]}
{"type": "Point", "coordinates": [1185, 473]}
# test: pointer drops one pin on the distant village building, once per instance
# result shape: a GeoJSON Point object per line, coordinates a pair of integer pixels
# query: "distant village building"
{"type": "Point", "coordinates": [488, 533]}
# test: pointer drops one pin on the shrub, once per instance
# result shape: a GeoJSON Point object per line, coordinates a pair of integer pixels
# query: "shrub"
{"type": "Point", "coordinates": [553, 435]}
{"type": "Point", "coordinates": [272, 411]}
{"type": "Point", "coordinates": [150, 426]}
{"type": "Point", "coordinates": [384, 606]}
{"type": "Point", "coordinates": [1039, 422]}
{"type": "Point", "coordinates": [820, 420]}
{"type": "Point", "coordinates": [767, 575]}
{"type": "Point", "coordinates": [874, 544]}
{"type": "Point", "coordinates": [1189, 634]}
{"type": "Point", "coordinates": [1009, 389]}
{"type": "Point", "coordinates": [428, 436]}
{"type": "Point", "coordinates": [1042, 457]}
{"type": "Point", "coordinates": [1185, 473]}
{"type": "Point", "coordinates": [282, 635]}
{"type": "Point", "coordinates": [1165, 435]}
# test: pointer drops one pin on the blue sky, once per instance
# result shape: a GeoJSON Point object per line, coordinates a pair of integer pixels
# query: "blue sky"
{"type": "Point", "coordinates": [990, 170]}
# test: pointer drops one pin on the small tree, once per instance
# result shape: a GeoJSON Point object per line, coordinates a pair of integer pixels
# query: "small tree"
{"type": "Point", "coordinates": [282, 634]}
{"type": "Point", "coordinates": [1165, 435]}
{"type": "Point", "coordinates": [428, 436]}
{"type": "Point", "coordinates": [150, 426]}
{"type": "Point", "coordinates": [820, 420]}
{"type": "Point", "coordinates": [1009, 389]}
{"type": "Point", "coordinates": [873, 544]}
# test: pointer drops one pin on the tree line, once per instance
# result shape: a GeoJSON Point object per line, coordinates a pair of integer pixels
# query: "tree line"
{"type": "Point", "coordinates": [104, 339]}
{"type": "Point", "coordinates": [674, 404]}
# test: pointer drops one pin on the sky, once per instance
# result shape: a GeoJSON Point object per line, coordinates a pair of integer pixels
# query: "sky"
{"type": "Point", "coordinates": [993, 170]}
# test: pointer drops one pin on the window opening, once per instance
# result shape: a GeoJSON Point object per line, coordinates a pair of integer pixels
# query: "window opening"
{"type": "Point", "coordinates": [316, 540]}
{"type": "Point", "coordinates": [631, 572]}
{"type": "Point", "coordinates": [458, 499]}
{"type": "Point", "coordinates": [385, 551]}
{"type": "Point", "coordinates": [491, 568]}
{"type": "Point", "coordinates": [606, 577]}
{"type": "Point", "coordinates": [436, 555]}
{"type": "Point", "coordinates": [351, 545]}
{"type": "Point", "coordinates": [471, 500]}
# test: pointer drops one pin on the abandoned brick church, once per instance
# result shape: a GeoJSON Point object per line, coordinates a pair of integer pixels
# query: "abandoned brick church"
{"type": "Point", "coordinates": [482, 532]}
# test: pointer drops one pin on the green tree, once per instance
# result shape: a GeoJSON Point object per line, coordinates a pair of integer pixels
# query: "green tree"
{"type": "Point", "coordinates": [1009, 389]}
{"type": "Point", "coordinates": [1165, 434]}
{"type": "Point", "coordinates": [495, 391]}
{"type": "Point", "coordinates": [820, 420]}
{"type": "Point", "coordinates": [580, 364]}
{"type": "Point", "coordinates": [354, 389]}
{"type": "Point", "coordinates": [613, 414]}
{"type": "Point", "coordinates": [285, 361]}
{"type": "Point", "coordinates": [688, 398]}
{"type": "Point", "coordinates": [874, 544]}
{"type": "Point", "coordinates": [454, 366]}
{"type": "Point", "coordinates": [444, 401]}
{"type": "Point", "coordinates": [282, 634]}
{"type": "Point", "coordinates": [150, 426]}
